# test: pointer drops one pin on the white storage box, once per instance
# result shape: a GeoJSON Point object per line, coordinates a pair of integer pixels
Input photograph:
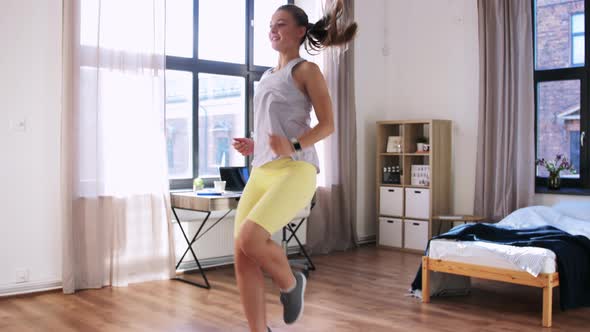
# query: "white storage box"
{"type": "Point", "coordinates": [390, 232]}
{"type": "Point", "coordinates": [415, 234]}
{"type": "Point", "coordinates": [417, 203]}
{"type": "Point", "coordinates": [391, 201]}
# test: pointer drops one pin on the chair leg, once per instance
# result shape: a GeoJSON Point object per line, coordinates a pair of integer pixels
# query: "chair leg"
{"type": "Point", "coordinates": [547, 305]}
{"type": "Point", "coordinates": [425, 280]}
{"type": "Point", "coordinates": [310, 264]}
{"type": "Point", "coordinates": [307, 264]}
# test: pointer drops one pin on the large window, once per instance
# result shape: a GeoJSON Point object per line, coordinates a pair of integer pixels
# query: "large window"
{"type": "Point", "coordinates": [561, 87]}
{"type": "Point", "coordinates": [577, 39]}
{"type": "Point", "coordinates": [215, 53]}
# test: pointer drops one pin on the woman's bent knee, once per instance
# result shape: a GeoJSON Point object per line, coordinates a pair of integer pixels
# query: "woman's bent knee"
{"type": "Point", "coordinates": [241, 261]}
{"type": "Point", "coordinates": [251, 240]}
{"type": "Point", "coordinates": [249, 247]}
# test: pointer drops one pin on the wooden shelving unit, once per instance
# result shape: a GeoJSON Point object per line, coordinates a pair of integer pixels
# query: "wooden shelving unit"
{"type": "Point", "coordinates": [405, 220]}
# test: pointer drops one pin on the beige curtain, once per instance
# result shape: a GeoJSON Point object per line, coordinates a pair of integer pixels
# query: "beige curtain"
{"type": "Point", "coordinates": [505, 153]}
{"type": "Point", "coordinates": [115, 196]}
{"type": "Point", "coordinates": [332, 223]}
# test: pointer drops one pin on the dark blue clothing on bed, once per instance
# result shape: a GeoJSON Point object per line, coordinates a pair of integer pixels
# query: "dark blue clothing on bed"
{"type": "Point", "coordinates": [572, 251]}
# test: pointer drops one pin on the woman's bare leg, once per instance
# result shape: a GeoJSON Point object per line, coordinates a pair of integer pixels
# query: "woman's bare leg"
{"type": "Point", "coordinates": [251, 285]}
{"type": "Point", "coordinates": [256, 243]}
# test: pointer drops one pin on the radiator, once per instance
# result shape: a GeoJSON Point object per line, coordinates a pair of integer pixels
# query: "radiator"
{"type": "Point", "coordinates": [216, 247]}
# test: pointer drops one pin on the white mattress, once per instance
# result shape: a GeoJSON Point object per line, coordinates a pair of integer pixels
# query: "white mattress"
{"type": "Point", "coordinates": [530, 259]}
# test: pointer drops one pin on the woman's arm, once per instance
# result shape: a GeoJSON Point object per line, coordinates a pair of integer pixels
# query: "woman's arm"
{"type": "Point", "coordinates": [314, 85]}
{"type": "Point", "coordinates": [243, 145]}
{"type": "Point", "coordinates": [310, 80]}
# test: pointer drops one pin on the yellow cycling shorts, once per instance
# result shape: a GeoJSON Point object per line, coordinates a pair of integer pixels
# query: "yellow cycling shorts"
{"type": "Point", "coordinates": [275, 193]}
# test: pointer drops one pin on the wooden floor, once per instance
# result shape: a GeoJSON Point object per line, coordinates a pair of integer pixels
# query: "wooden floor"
{"type": "Point", "coordinates": [361, 290]}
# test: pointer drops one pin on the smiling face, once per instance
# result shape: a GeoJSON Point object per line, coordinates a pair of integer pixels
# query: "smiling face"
{"type": "Point", "coordinates": [284, 32]}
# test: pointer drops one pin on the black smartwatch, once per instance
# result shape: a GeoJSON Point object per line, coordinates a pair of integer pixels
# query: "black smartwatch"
{"type": "Point", "coordinates": [296, 144]}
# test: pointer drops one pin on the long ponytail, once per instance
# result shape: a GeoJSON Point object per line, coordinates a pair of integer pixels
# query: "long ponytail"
{"type": "Point", "coordinates": [325, 32]}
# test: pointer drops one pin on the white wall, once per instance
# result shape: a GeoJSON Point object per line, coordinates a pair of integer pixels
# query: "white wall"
{"type": "Point", "coordinates": [371, 91]}
{"type": "Point", "coordinates": [429, 70]}
{"type": "Point", "coordinates": [433, 74]}
{"type": "Point", "coordinates": [30, 63]}
{"type": "Point", "coordinates": [545, 199]}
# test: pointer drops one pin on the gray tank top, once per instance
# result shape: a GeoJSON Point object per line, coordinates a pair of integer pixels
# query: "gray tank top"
{"type": "Point", "coordinates": [281, 108]}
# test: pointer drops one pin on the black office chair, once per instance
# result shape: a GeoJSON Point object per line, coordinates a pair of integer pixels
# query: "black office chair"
{"type": "Point", "coordinates": [305, 265]}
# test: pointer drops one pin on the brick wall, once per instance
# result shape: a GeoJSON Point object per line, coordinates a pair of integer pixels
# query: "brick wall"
{"type": "Point", "coordinates": [553, 38]}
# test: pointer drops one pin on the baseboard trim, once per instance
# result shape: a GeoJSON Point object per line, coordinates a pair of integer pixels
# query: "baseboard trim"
{"type": "Point", "coordinates": [367, 239]}
{"type": "Point", "coordinates": [214, 262]}
{"type": "Point", "coordinates": [30, 287]}
{"type": "Point", "coordinates": [206, 263]}
{"type": "Point", "coordinates": [43, 286]}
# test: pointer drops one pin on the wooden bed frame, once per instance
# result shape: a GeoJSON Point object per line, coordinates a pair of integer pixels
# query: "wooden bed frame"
{"type": "Point", "coordinates": [547, 281]}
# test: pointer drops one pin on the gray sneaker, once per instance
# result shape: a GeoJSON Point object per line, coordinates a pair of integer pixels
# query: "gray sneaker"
{"type": "Point", "coordinates": [293, 301]}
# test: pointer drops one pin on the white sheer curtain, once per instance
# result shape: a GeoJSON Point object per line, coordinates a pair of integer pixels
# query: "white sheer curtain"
{"type": "Point", "coordinates": [114, 172]}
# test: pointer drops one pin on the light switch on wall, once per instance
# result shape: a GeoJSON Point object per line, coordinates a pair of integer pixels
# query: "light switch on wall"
{"type": "Point", "coordinates": [18, 125]}
{"type": "Point", "coordinates": [22, 275]}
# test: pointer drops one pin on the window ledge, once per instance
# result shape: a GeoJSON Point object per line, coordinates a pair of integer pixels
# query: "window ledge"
{"type": "Point", "coordinates": [563, 191]}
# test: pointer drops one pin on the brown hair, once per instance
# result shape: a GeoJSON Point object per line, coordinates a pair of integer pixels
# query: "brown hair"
{"type": "Point", "coordinates": [324, 32]}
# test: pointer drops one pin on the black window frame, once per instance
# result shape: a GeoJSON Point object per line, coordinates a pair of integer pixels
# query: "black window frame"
{"type": "Point", "coordinates": [194, 65]}
{"type": "Point", "coordinates": [581, 73]}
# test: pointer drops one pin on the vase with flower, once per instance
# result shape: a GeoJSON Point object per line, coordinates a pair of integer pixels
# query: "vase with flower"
{"type": "Point", "coordinates": [554, 167]}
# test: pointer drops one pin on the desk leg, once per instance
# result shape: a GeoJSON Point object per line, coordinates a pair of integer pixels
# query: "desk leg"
{"type": "Point", "coordinates": [190, 247]}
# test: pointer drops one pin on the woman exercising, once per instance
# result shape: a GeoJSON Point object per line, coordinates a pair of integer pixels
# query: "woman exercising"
{"type": "Point", "coordinates": [285, 162]}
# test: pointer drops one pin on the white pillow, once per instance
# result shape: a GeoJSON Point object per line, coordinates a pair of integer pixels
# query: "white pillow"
{"type": "Point", "coordinates": [574, 209]}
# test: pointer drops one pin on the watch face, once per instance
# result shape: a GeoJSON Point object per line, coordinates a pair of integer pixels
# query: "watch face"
{"type": "Point", "coordinates": [296, 144]}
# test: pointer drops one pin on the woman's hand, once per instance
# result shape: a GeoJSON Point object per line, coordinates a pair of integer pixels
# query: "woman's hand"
{"type": "Point", "coordinates": [280, 145]}
{"type": "Point", "coordinates": [245, 146]}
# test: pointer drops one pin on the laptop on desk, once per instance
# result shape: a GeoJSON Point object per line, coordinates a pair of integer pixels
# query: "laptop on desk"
{"type": "Point", "coordinates": [235, 178]}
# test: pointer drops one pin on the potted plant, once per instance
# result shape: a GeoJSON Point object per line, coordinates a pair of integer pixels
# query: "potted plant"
{"type": "Point", "coordinates": [198, 184]}
{"type": "Point", "coordinates": [420, 141]}
{"type": "Point", "coordinates": [554, 167]}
